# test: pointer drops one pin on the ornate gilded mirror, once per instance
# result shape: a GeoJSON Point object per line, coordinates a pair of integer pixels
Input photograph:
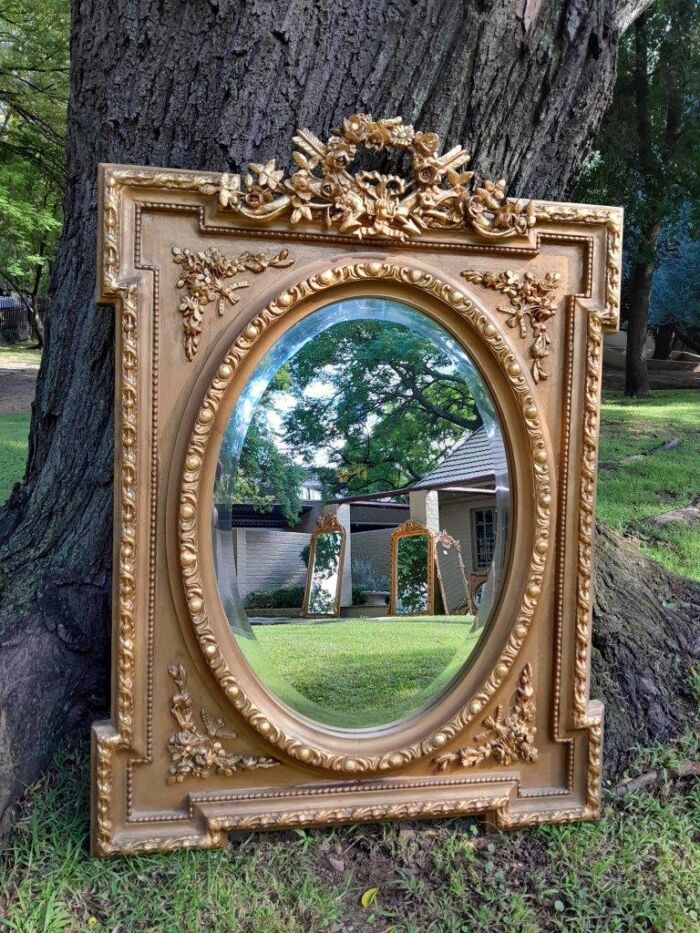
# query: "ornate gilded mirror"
{"type": "Point", "coordinates": [324, 575]}
{"type": "Point", "coordinates": [412, 559]}
{"type": "Point", "coordinates": [355, 457]}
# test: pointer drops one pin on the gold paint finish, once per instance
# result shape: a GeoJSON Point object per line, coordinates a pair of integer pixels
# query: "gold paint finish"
{"type": "Point", "coordinates": [331, 235]}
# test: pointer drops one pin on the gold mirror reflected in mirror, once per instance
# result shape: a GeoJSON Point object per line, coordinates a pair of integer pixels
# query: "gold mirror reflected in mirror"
{"type": "Point", "coordinates": [362, 483]}
{"type": "Point", "coordinates": [324, 569]}
{"type": "Point", "coordinates": [412, 560]}
{"type": "Point", "coordinates": [452, 579]}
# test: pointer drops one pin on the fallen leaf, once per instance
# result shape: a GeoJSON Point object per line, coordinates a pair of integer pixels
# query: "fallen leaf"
{"type": "Point", "coordinates": [336, 863]}
{"type": "Point", "coordinates": [368, 897]}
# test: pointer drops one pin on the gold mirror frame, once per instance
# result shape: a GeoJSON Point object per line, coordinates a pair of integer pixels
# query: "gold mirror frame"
{"type": "Point", "coordinates": [327, 524]}
{"type": "Point", "coordinates": [475, 581]}
{"type": "Point", "coordinates": [411, 529]}
{"type": "Point", "coordinates": [196, 745]}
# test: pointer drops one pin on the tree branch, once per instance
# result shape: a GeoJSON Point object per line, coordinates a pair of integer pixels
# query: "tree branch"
{"type": "Point", "coordinates": [628, 11]}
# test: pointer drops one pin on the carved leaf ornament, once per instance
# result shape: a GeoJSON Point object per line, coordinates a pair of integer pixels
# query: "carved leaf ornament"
{"type": "Point", "coordinates": [532, 302]}
{"type": "Point", "coordinates": [507, 739]}
{"type": "Point", "coordinates": [204, 279]}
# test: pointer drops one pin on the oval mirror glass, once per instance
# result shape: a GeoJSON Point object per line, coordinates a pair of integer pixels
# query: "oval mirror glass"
{"type": "Point", "coordinates": [361, 500]}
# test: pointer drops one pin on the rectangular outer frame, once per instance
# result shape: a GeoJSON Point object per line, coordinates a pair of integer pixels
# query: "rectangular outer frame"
{"type": "Point", "coordinates": [539, 282]}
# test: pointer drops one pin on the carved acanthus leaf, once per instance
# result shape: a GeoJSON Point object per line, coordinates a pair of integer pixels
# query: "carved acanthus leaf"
{"type": "Point", "coordinates": [507, 739]}
{"type": "Point", "coordinates": [204, 278]}
{"type": "Point", "coordinates": [438, 196]}
{"type": "Point", "coordinates": [532, 302]}
{"type": "Point", "coordinates": [195, 753]}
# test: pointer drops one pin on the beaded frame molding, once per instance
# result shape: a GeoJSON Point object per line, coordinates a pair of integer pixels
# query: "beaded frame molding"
{"type": "Point", "coordinates": [206, 271]}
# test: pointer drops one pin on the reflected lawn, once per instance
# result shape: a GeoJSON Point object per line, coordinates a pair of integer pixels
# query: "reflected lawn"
{"type": "Point", "coordinates": [361, 672]}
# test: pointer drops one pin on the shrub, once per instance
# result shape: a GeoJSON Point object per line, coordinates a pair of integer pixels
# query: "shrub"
{"type": "Point", "coordinates": [284, 597]}
{"type": "Point", "coordinates": [365, 577]}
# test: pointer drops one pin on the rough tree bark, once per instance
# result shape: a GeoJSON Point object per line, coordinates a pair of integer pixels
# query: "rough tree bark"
{"type": "Point", "coordinates": [522, 84]}
{"type": "Point", "coordinates": [646, 648]}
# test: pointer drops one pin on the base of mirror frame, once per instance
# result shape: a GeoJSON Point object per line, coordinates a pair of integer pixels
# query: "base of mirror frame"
{"type": "Point", "coordinates": [211, 818]}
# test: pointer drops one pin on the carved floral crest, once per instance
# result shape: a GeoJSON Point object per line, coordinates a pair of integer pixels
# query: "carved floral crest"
{"type": "Point", "coordinates": [204, 278]}
{"type": "Point", "coordinates": [438, 195]}
{"type": "Point", "coordinates": [533, 301]}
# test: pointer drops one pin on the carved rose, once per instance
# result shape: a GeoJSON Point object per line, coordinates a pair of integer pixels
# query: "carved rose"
{"type": "Point", "coordinates": [339, 154]}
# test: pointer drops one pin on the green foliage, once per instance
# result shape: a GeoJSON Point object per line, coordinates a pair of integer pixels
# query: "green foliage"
{"type": "Point", "coordinates": [655, 187]}
{"type": "Point", "coordinates": [264, 475]}
{"type": "Point", "coordinates": [675, 293]}
{"type": "Point", "coordinates": [33, 100]}
{"type": "Point", "coordinates": [412, 573]}
{"type": "Point", "coordinates": [395, 409]}
{"type": "Point", "coordinates": [647, 155]}
{"type": "Point", "coordinates": [324, 579]}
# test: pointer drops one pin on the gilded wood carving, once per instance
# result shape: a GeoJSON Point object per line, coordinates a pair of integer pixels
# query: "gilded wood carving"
{"type": "Point", "coordinates": [504, 740]}
{"type": "Point", "coordinates": [203, 278]}
{"type": "Point", "coordinates": [532, 302]}
{"type": "Point", "coordinates": [326, 525]}
{"type": "Point", "coordinates": [198, 754]}
{"type": "Point", "coordinates": [438, 194]}
{"type": "Point", "coordinates": [414, 595]}
{"type": "Point", "coordinates": [446, 541]}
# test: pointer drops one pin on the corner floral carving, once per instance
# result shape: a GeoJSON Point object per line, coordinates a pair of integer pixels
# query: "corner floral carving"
{"type": "Point", "coordinates": [437, 196]}
{"type": "Point", "coordinates": [195, 753]}
{"type": "Point", "coordinates": [533, 302]}
{"type": "Point", "coordinates": [507, 739]}
{"type": "Point", "coordinates": [204, 278]}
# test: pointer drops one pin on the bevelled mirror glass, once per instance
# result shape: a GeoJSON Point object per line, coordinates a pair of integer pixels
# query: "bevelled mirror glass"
{"type": "Point", "coordinates": [369, 419]}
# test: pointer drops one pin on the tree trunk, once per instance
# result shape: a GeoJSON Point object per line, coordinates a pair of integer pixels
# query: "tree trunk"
{"type": "Point", "coordinates": [646, 648]}
{"type": "Point", "coordinates": [36, 317]}
{"type": "Point", "coordinates": [636, 375]}
{"type": "Point", "coordinates": [689, 334]}
{"type": "Point", "coordinates": [663, 343]}
{"type": "Point", "coordinates": [522, 84]}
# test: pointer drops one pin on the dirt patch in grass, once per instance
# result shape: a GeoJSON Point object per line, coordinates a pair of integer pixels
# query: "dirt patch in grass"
{"type": "Point", "coordinates": [17, 388]}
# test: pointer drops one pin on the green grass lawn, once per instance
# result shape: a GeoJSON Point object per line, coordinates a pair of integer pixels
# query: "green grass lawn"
{"type": "Point", "coordinates": [637, 869]}
{"type": "Point", "coordinates": [658, 483]}
{"type": "Point", "coordinates": [14, 430]}
{"type": "Point", "coordinates": [360, 672]}
{"type": "Point", "coordinates": [19, 354]}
